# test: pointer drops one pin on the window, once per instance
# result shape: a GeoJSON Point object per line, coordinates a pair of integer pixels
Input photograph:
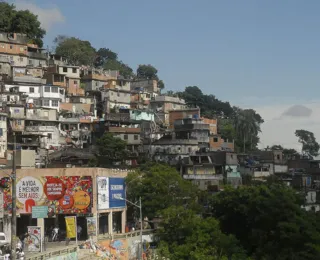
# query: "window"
{"type": "Point", "coordinates": [96, 83]}
{"type": "Point", "coordinates": [215, 139]}
{"type": "Point", "coordinates": [111, 93]}
{"type": "Point", "coordinates": [147, 95]}
{"type": "Point", "coordinates": [31, 90]}
{"type": "Point", "coordinates": [65, 69]}
{"type": "Point", "coordinates": [18, 122]}
{"type": "Point", "coordinates": [61, 92]}
{"type": "Point", "coordinates": [118, 94]}
{"type": "Point", "coordinates": [49, 136]}
{"type": "Point", "coordinates": [54, 89]}
{"type": "Point", "coordinates": [136, 137]}
{"type": "Point", "coordinates": [11, 47]}
{"type": "Point", "coordinates": [75, 82]}
{"type": "Point", "coordinates": [55, 103]}
{"type": "Point", "coordinates": [46, 89]}
{"type": "Point", "coordinates": [74, 70]}
{"type": "Point", "coordinates": [21, 59]}
{"type": "Point", "coordinates": [125, 137]}
{"type": "Point", "coordinates": [36, 102]}
{"type": "Point", "coordinates": [30, 62]}
{"type": "Point", "coordinates": [21, 49]}
{"type": "Point", "coordinates": [46, 103]}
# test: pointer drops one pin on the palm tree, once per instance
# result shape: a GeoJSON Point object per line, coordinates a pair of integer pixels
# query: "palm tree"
{"type": "Point", "coordinates": [246, 126]}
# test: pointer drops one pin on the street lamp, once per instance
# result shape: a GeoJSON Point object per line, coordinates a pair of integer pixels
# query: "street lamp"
{"type": "Point", "coordinates": [140, 208]}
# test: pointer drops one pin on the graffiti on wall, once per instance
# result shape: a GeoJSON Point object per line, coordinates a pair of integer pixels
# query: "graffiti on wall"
{"type": "Point", "coordinates": [70, 256]}
{"type": "Point", "coordinates": [118, 248]}
{"type": "Point", "coordinates": [68, 194]}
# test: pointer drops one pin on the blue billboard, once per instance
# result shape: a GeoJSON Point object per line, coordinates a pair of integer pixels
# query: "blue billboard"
{"type": "Point", "coordinates": [117, 193]}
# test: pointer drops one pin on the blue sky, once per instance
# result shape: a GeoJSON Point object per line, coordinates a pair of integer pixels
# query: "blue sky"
{"type": "Point", "coordinates": [260, 54]}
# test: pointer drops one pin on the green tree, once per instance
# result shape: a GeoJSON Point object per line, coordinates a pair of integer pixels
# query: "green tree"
{"type": "Point", "coordinates": [160, 84]}
{"type": "Point", "coordinates": [124, 70]}
{"type": "Point", "coordinates": [147, 72]}
{"type": "Point", "coordinates": [226, 129]}
{"type": "Point", "coordinates": [185, 235]}
{"type": "Point", "coordinates": [159, 186]}
{"type": "Point", "coordinates": [77, 52]}
{"type": "Point", "coordinates": [269, 222]}
{"type": "Point", "coordinates": [103, 55]}
{"type": "Point", "coordinates": [247, 125]}
{"type": "Point", "coordinates": [22, 21]}
{"type": "Point", "coordinates": [111, 150]}
{"type": "Point", "coordinates": [309, 143]}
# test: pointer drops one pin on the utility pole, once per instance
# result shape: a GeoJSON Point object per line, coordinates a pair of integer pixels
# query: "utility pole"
{"type": "Point", "coordinates": [14, 208]}
{"type": "Point", "coordinates": [141, 228]}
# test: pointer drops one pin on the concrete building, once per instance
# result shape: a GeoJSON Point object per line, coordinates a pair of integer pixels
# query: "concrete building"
{"type": "Point", "coordinates": [162, 105]}
{"type": "Point", "coordinates": [93, 192]}
{"type": "Point", "coordinates": [13, 46]}
{"type": "Point", "coordinates": [96, 79]}
{"type": "Point", "coordinates": [65, 76]}
{"type": "Point", "coordinates": [116, 95]}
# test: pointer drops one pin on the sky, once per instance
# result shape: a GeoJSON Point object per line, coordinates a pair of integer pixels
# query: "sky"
{"type": "Point", "coordinates": [253, 53]}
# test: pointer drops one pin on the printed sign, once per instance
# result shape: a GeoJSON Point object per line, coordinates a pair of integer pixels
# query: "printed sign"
{"type": "Point", "coordinates": [43, 211]}
{"type": "Point", "coordinates": [92, 226]}
{"type": "Point", "coordinates": [71, 227]}
{"type": "Point", "coordinates": [103, 192]}
{"type": "Point", "coordinates": [29, 191]}
{"type": "Point", "coordinates": [117, 193]}
{"type": "Point", "coordinates": [33, 241]}
{"type": "Point", "coordinates": [1, 205]}
{"type": "Point", "coordinates": [54, 189]}
{"type": "Point", "coordinates": [68, 194]}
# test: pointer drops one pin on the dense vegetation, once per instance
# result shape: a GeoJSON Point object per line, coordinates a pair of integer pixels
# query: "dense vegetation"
{"type": "Point", "coordinates": [262, 222]}
{"type": "Point", "coordinates": [22, 21]}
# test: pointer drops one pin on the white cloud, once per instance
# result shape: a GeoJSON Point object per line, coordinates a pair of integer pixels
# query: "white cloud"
{"type": "Point", "coordinates": [47, 16]}
{"type": "Point", "coordinates": [279, 129]}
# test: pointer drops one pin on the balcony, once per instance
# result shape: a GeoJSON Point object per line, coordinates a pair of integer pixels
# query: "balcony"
{"type": "Point", "coordinates": [29, 79]}
{"type": "Point", "coordinates": [113, 129]}
{"type": "Point", "coordinates": [37, 55]}
{"type": "Point", "coordinates": [59, 84]}
{"type": "Point", "coordinates": [69, 120]}
{"type": "Point", "coordinates": [39, 117]}
{"type": "Point", "coordinates": [119, 117]}
{"type": "Point", "coordinates": [40, 128]}
{"type": "Point", "coordinates": [96, 77]}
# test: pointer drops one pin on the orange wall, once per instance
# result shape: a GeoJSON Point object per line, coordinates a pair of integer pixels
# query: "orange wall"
{"type": "Point", "coordinates": [213, 125]}
{"type": "Point", "coordinates": [181, 114]}
{"type": "Point", "coordinates": [218, 144]}
{"type": "Point", "coordinates": [16, 49]}
{"type": "Point", "coordinates": [74, 88]}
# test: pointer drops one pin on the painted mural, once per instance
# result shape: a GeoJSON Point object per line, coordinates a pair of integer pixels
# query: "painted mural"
{"type": "Point", "coordinates": [117, 249]}
{"type": "Point", "coordinates": [68, 194]}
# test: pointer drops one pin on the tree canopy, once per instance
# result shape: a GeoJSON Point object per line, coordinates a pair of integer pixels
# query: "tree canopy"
{"type": "Point", "coordinates": [77, 51]}
{"type": "Point", "coordinates": [269, 222]}
{"type": "Point", "coordinates": [159, 186]}
{"type": "Point", "coordinates": [184, 235]}
{"type": "Point", "coordinates": [22, 21]}
{"type": "Point", "coordinates": [309, 143]}
{"type": "Point", "coordinates": [111, 150]}
{"type": "Point", "coordinates": [149, 72]}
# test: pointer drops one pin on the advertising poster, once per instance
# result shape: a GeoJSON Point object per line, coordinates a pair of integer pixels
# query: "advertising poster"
{"type": "Point", "coordinates": [116, 192]}
{"type": "Point", "coordinates": [71, 227]}
{"type": "Point", "coordinates": [92, 226]}
{"type": "Point", "coordinates": [103, 192]}
{"type": "Point", "coordinates": [65, 194]}
{"type": "Point", "coordinates": [43, 211]}
{"type": "Point", "coordinates": [1, 205]}
{"type": "Point", "coordinates": [33, 241]}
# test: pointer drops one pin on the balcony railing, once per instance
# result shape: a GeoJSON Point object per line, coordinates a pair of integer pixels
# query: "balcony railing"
{"type": "Point", "coordinates": [40, 128]}
{"type": "Point", "coordinates": [29, 79]}
{"type": "Point", "coordinates": [114, 129]}
{"type": "Point", "coordinates": [121, 117]}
